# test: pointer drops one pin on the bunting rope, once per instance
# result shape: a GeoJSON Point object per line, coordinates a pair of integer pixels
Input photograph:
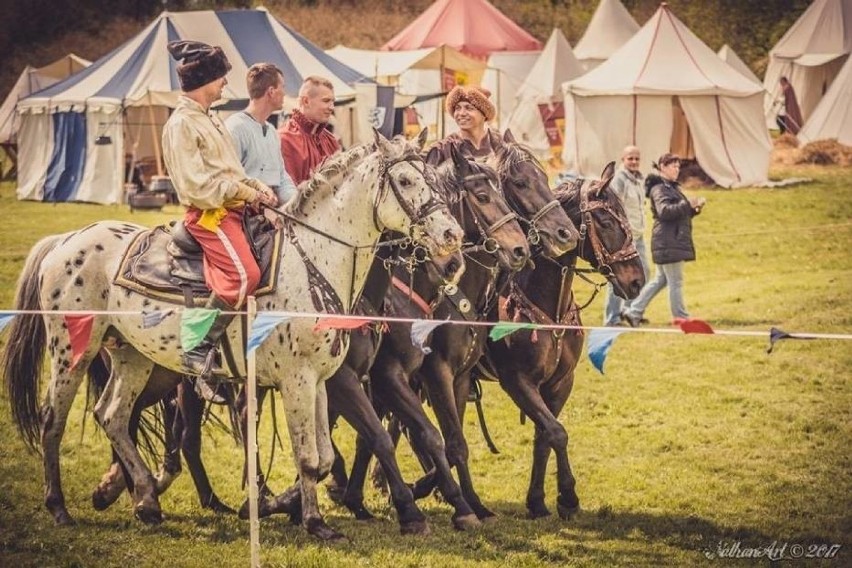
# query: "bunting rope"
{"type": "Point", "coordinates": [360, 319]}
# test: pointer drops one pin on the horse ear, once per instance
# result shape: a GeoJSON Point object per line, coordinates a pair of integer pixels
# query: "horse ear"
{"type": "Point", "coordinates": [421, 138]}
{"type": "Point", "coordinates": [459, 161]}
{"type": "Point", "coordinates": [606, 176]}
{"type": "Point", "coordinates": [381, 142]}
{"type": "Point", "coordinates": [494, 140]}
{"type": "Point", "coordinates": [508, 137]}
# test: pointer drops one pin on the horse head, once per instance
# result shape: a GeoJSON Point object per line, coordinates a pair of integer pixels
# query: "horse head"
{"type": "Point", "coordinates": [485, 216]}
{"type": "Point", "coordinates": [606, 241]}
{"type": "Point", "coordinates": [524, 183]}
{"type": "Point", "coordinates": [406, 201]}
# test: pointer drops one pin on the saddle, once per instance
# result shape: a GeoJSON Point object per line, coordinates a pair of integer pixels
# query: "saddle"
{"type": "Point", "coordinates": [165, 263]}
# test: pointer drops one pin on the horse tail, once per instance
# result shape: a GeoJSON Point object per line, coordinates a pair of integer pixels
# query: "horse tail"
{"type": "Point", "coordinates": [23, 354]}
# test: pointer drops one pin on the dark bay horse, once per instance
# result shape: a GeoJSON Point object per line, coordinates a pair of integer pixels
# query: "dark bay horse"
{"type": "Point", "coordinates": [536, 368]}
{"type": "Point", "coordinates": [444, 373]}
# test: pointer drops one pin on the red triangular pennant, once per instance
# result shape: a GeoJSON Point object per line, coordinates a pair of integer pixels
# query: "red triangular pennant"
{"type": "Point", "coordinates": [80, 331]}
{"type": "Point", "coordinates": [340, 323]}
{"type": "Point", "coordinates": [695, 326]}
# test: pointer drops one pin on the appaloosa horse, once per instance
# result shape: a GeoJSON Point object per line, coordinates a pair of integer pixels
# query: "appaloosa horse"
{"type": "Point", "coordinates": [536, 368]}
{"type": "Point", "coordinates": [332, 226]}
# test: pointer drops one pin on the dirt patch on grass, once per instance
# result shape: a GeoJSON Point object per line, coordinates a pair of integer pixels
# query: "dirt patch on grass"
{"type": "Point", "coordinates": [825, 153]}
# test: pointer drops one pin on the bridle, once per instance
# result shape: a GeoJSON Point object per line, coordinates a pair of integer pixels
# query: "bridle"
{"type": "Point", "coordinates": [604, 258]}
{"type": "Point", "coordinates": [533, 231]}
{"type": "Point", "coordinates": [466, 201]}
{"type": "Point", "coordinates": [416, 216]}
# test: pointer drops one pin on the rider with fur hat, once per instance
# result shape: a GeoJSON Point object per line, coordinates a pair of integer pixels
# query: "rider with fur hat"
{"type": "Point", "coordinates": [472, 109]}
{"type": "Point", "coordinates": [210, 181]}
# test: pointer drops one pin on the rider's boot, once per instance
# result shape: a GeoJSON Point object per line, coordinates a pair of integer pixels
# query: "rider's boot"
{"type": "Point", "coordinates": [201, 359]}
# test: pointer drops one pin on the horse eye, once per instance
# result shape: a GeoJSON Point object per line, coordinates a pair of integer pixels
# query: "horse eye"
{"type": "Point", "coordinates": [482, 197]}
{"type": "Point", "coordinates": [405, 182]}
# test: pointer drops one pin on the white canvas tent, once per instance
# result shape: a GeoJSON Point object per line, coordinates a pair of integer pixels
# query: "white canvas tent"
{"type": "Point", "coordinates": [810, 55]}
{"type": "Point", "coordinates": [75, 134]}
{"type": "Point", "coordinates": [31, 80]}
{"type": "Point", "coordinates": [504, 76]}
{"type": "Point", "coordinates": [730, 57]}
{"type": "Point", "coordinates": [610, 28]}
{"type": "Point", "coordinates": [543, 86]}
{"type": "Point", "coordinates": [832, 118]}
{"type": "Point", "coordinates": [664, 90]}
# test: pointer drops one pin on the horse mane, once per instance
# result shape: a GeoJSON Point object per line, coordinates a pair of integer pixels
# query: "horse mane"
{"type": "Point", "coordinates": [328, 176]}
{"type": "Point", "coordinates": [568, 192]}
{"type": "Point", "coordinates": [449, 184]}
{"type": "Point", "coordinates": [509, 154]}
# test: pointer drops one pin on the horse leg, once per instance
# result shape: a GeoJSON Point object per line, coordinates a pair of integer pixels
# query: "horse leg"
{"type": "Point", "coordinates": [173, 422]}
{"type": "Point", "coordinates": [393, 390]}
{"type": "Point", "coordinates": [440, 382]}
{"type": "Point", "coordinates": [302, 401]}
{"type": "Point", "coordinates": [567, 502]}
{"type": "Point", "coordinates": [64, 382]}
{"type": "Point", "coordinates": [348, 398]}
{"type": "Point", "coordinates": [336, 486]}
{"type": "Point", "coordinates": [113, 411]}
{"type": "Point", "coordinates": [549, 434]}
{"type": "Point", "coordinates": [190, 411]}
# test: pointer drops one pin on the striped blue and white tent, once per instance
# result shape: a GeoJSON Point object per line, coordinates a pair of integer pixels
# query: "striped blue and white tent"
{"type": "Point", "coordinates": [75, 135]}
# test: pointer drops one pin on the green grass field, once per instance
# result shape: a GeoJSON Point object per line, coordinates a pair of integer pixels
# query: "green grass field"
{"type": "Point", "coordinates": [686, 444]}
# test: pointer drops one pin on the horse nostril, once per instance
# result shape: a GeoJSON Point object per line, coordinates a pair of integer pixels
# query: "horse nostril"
{"type": "Point", "coordinates": [451, 236]}
{"type": "Point", "coordinates": [563, 234]}
{"type": "Point", "coordinates": [519, 252]}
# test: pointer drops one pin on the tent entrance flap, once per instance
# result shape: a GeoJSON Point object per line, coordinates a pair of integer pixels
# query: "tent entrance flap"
{"type": "Point", "coordinates": [681, 142]}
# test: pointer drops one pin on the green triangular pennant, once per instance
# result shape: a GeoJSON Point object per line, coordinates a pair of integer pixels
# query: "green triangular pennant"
{"type": "Point", "coordinates": [194, 325]}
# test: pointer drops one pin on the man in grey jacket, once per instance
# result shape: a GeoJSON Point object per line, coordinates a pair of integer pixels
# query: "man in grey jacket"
{"type": "Point", "coordinates": [627, 185]}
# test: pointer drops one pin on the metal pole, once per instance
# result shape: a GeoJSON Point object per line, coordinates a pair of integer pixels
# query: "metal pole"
{"type": "Point", "coordinates": [251, 453]}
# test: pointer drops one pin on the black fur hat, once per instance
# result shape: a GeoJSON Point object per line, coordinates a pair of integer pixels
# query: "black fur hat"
{"type": "Point", "coordinates": [199, 63]}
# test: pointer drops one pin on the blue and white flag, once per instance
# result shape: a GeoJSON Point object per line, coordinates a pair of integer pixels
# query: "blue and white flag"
{"type": "Point", "coordinates": [261, 328]}
{"type": "Point", "coordinates": [420, 331]}
{"type": "Point", "coordinates": [600, 341]}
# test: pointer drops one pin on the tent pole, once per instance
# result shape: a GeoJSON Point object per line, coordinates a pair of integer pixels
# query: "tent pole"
{"type": "Point", "coordinates": [157, 152]}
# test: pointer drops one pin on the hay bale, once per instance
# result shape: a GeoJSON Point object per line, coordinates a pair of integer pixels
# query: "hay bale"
{"type": "Point", "coordinates": [786, 140]}
{"type": "Point", "coordinates": [825, 153]}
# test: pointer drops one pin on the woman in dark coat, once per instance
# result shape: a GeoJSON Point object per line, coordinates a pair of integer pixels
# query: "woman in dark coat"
{"type": "Point", "coordinates": [671, 239]}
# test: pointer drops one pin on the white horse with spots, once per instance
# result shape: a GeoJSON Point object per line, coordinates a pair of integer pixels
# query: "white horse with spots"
{"type": "Point", "coordinates": [336, 220]}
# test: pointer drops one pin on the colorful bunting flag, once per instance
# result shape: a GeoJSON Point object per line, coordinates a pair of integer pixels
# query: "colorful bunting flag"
{"type": "Point", "coordinates": [80, 330]}
{"type": "Point", "coordinates": [194, 325]}
{"type": "Point", "coordinates": [261, 328]}
{"type": "Point", "coordinates": [332, 322]}
{"type": "Point", "coordinates": [420, 331]}
{"type": "Point", "coordinates": [505, 328]}
{"type": "Point", "coordinates": [600, 341]}
{"type": "Point", "coordinates": [5, 319]}
{"type": "Point", "coordinates": [155, 318]}
{"type": "Point", "coordinates": [695, 326]}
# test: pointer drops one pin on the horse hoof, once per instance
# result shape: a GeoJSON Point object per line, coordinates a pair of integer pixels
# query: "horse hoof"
{"type": "Point", "coordinates": [538, 513]}
{"type": "Point", "coordinates": [485, 515]}
{"type": "Point", "coordinates": [148, 516]}
{"type": "Point", "coordinates": [419, 528]}
{"type": "Point", "coordinates": [322, 531]}
{"type": "Point", "coordinates": [567, 513]}
{"type": "Point", "coordinates": [466, 522]}
{"type": "Point", "coordinates": [215, 505]}
{"type": "Point", "coordinates": [360, 512]}
{"type": "Point", "coordinates": [102, 501]}
{"type": "Point", "coordinates": [64, 519]}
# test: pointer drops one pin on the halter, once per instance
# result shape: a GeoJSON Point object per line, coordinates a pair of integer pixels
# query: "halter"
{"type": "Point", "coordinates": [386, 181]}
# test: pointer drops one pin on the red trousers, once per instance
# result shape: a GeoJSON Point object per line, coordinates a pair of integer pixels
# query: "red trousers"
{"type": "Point", "coordinates": [230, 269]}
